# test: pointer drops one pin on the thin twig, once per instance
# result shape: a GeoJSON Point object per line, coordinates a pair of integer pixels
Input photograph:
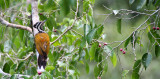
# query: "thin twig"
{"type": "Point", "coordinates": [27, 56]}
{"type": "Point", "coordinates": [69, 28]}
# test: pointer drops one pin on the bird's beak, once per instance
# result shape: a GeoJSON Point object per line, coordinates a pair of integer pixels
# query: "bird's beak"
{"type": "Point", "coordinates": [43, 23]}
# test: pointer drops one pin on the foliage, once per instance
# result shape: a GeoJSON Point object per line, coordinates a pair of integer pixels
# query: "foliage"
{"type": "Point", "coordinates": [80, 45]}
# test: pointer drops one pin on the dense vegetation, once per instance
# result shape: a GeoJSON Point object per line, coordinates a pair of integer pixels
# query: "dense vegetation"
{"type": "Point", "coordinates": [77, 39]}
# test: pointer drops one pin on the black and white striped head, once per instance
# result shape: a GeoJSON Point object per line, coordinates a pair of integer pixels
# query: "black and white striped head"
{"type": "Point", "coordinates": [38, 27]}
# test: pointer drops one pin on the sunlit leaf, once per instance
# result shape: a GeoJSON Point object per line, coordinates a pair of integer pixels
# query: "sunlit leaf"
{"type": "Point", "coordinates": [7, 46]}
{"type": "Point", "coordinates": [113, 59]}
{"type": "Point", "coordinates": [146, 59]}
{"type": "Point", "coordinates": [61, 64]}
{"type": "Point", "coordinates": [49, 68]}
{"type": "Point", "coordinates": [125, 72]}
{"type": "Point", "coordinates": [11, 71]}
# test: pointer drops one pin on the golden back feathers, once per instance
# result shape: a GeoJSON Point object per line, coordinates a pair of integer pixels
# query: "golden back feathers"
{"type": "Point", "coordinates": [42, 43]}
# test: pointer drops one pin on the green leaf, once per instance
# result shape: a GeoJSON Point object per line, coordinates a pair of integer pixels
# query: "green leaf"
{"type": "Point", "coordinates": [7, 46]}
{"type": "Point", "coordinates": [91, 35]}
{"type": "Point", "coordinates": [112, 54]}
{"type": "Point", "coordinates": [127, 42]}
{"type": "Point", "coordinates": [83, 42]}
{"type": "Point", "coordinates": [99, 31]}
{"type": "Point", "coordinates": [93, 50]}
{"type": "Point", "coordinates": [49, 6]}
{"type": "Point", "coordinates": [2, 4]}
{"type": "Point", "coordinates": [21, 34]}
{"type": "Point", "coordinates": [85, 6]}
{"type": "Point", "coordinates": [46, 74]}
{"type": "Point", "coordinates": [131, 1]}
{"type": "Point", "coordinates": [51, 23]}
{"type": "Point", "coordinates": [119, 26]}
{"type": "Point", "coordinates": [97, 54]}
{"type": "Point", "coordinates": [13, 77]}
{"type": "Point", "coordinates": [6, 68]}
{"type": "Point", "coordinates": [7, 3]}
{"type": "Point", "coordinates": [21, 64]}
{"type": "Point", "coordinates": [150, 37]}
{"type": "Point", "coordinates": [64, 7]}
{"type": "Point", "coordinates": [106, 67]}
{"type": "Point", "coordinates": [51, 57]}
{"type": "Point", "coordinates": [157, 50]}
{"type": "Point", "coordinates": [157, 3]}
{"type": "Point", "coordinates": [87, 68]}
{"type": "Point", "coordinates": [135, 76]}
{"type": "Point", "coordinates": [87, 29]}
{"type": "Point", "coordinates": [146, 60]}
{"type": "Point", "coordinates": [14, 66]}
{"type": "Point", "coordinates": [113, 59]}
{"type": "Point", "coordinates": [98, 70]}
{"type": "Point", "coordinates": [141, 3]}
{"type": "Point", "coordinates": [49, 68]}
{"type": "Point", "coordinates": [2, 47]}
{"type": "Point", "coordinates": [125, 72]}
{"type": "Point", "coordinates": [12, 71]}
{"type": "Point", "coordinates": [136, 69]}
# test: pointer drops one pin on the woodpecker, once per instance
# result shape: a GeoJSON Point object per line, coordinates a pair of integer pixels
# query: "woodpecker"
{"type": "Point", "coordinates": [42, 45]}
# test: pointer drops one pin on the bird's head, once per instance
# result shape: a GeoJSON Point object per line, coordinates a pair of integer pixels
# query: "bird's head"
{"type": "Point", "coordinates": [38, 27]}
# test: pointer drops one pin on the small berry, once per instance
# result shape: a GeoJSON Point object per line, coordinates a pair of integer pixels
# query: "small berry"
{"type": "Point", "coordinates": [105, 44]}
{"type": "Point", "coordinates": [41, 13]}
{"type": "Point", "coordinates": [124, 52]}
{"type": "Point", "coordinates": [55, 30]}
{"type": "Point", "coordinates": [121, 49]}
{"type": "Point", "coordinates": [99, 45]}
{"type": "Point", "coordinates": [157, 28]}
{"type": "Point", "coordinates": [154, 28]}
{"type": "Point", "coordinates": [98, 77]}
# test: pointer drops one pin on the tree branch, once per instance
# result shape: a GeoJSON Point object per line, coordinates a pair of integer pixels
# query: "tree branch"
{"type": "Point", "coordinates": [35, 17]}
{"type": "Point", "coordinates": [19, 75]}
{"type": "Point", "coordinates": [69, 28]}
{"type": "Point", "coordinates": [2, 21]}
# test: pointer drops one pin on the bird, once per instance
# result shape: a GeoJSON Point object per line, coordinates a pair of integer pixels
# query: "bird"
{"type": "Point", "coordinates": [42, 45]}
